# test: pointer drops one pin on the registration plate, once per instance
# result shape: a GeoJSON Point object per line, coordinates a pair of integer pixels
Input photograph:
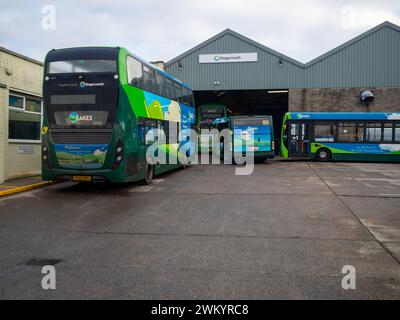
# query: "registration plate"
{"type": "Point", "coordinates": [82, 178]}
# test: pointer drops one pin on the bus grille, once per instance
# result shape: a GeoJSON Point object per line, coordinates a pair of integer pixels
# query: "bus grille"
{"type": "Point", "coordinates": [131, 164]}
{"type": "Point", "coordinates": [81, 137]}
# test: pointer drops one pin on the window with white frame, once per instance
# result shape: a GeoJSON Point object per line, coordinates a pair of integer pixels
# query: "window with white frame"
{"type": "Point", "coordinates": [25, 117]}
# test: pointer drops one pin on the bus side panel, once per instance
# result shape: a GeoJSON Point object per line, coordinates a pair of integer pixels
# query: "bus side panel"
{"type": "Point", "coordinates": [152, 106]}
{"type": "Point", "coordinates": [360, 151]}
{"type": "Point", "coordinates": [133, 160]}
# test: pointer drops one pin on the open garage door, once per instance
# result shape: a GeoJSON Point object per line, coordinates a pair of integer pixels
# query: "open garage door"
{"type": "Point", "coordinates": [250, 102]}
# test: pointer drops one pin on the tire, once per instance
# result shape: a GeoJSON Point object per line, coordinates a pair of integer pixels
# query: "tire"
{"type": "Point", "coordinates": [323, 155]}
{"type": "Point", "coordinates": [238, 163]}
{"type": "Point", "coordinates": [149, 174]}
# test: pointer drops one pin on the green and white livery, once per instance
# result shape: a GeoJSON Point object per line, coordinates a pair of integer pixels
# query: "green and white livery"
{"type": "Point", "coordinates": [100, 105]}
{"type": "Point", "coordinates": [342, 136]}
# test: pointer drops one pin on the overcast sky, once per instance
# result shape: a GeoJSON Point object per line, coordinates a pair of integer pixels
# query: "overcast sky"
{"type": "Point", "coordinates": [161, 30]}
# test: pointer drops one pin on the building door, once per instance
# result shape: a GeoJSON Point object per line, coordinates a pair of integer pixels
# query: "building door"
{"type": "Point", "coordinates": [299, 140]}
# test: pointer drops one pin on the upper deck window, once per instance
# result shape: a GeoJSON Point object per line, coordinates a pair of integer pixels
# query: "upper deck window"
{"type": "Point", "coordinates": [135, 72]}
{"type": "Point", "coordinates": [82, 66]}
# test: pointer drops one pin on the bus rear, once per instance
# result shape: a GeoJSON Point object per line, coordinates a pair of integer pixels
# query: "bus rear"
{"type": "Point", "coordinates": [80, 90]}
{"type": "Point", "coordinates": [253, 134]}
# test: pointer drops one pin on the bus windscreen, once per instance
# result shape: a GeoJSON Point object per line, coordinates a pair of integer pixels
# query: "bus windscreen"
{"type": "Point", "coordinates": [212, 113]}
{"type": "Point", "coordinates": [82, 66]}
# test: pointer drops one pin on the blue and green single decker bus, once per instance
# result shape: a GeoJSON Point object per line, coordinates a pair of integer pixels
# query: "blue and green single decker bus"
{"type": "Point", "coordinates": [100, 103]}
{"type": "Point", "coordinates": [352, 136]}
{"type": "Point", "coordinates": [253, 134]}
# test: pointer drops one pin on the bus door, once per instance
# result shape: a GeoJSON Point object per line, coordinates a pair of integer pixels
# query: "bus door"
{"type": "Point", "coordinates": [299, 139]}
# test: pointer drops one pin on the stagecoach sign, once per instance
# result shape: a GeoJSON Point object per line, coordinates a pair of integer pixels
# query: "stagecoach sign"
{"type": "Point", "coordinates": [228, 57]}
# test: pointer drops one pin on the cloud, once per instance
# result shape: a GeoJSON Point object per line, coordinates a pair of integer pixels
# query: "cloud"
{"type": "Point", "coordinates": [160, 30]}
{"type": "Point", "coordinates": [361, 17]}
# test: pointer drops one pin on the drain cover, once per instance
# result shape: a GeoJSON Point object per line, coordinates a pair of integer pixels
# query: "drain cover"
{"type": "Point", "coordinates": [40, 262]}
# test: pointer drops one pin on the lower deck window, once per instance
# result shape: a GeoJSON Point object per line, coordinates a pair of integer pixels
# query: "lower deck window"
{"type": "Point", "coordinates": [374, 132]}
{"type": "Point", "coordinates": [153, 130]}
{"type": "Point", "coordinates": [388, 132]}
{"type": "Point", "coordinates": [350, 132]}
{"type": "Point", "coordinates": [397, 133]}
{"type": "Point", "coordinates": [324, 133]}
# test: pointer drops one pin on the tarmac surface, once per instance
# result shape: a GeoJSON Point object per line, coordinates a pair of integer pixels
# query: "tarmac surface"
{"type": "Point", "coordinates": [284, 232]}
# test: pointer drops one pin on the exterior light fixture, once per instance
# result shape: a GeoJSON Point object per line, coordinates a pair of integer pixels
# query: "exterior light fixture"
{"type": "Point", "coordinates": [180, 67]}
{"type": "Point", "coordinates": [278, 91]}
{"type": "Point", "coordinates": [281, 61]}
{"type": "Point", "coordinates": [217, 83]}
{"type": "Point", "coordinates": [367, 97]}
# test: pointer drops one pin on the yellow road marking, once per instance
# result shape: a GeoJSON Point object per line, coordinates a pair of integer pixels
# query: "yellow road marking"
{"type": "Point", "coordinates": [25, 188]}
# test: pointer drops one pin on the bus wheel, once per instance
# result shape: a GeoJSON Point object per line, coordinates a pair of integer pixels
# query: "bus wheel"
{"type": "Point", "coordinates": [238, 162]}
{"type": "Point", "coordinates": [323, 155]}
{"type": "Point", "coordinates": [149, 174]}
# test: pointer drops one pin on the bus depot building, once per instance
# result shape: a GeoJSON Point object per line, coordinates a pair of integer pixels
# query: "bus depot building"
{"type": "Point", "coordinates": [20, 115]}
{"type": "Point", "coordinates": [362, 75]}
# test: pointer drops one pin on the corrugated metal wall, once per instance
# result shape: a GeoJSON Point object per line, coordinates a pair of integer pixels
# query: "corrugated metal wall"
{"type": "Point", "coordinates": [370, 61]}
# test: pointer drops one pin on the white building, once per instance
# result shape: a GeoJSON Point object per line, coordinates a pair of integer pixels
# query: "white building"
{"type": "Point", "coordinates": [20, 115]}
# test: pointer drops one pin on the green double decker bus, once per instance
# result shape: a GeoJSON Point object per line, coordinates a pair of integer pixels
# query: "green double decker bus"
{"type": "Point", "coordinates": [353, 136]}
{"type": "Point", "coordinates": [101, 106]}
{"type": "Point", "coordinates": [206, 115]}
{"type": "Point", "coordinates": [208, 112]}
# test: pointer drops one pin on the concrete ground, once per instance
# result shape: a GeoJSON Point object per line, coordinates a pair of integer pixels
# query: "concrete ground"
{"type": "Point", "coordinates": [284, 232]}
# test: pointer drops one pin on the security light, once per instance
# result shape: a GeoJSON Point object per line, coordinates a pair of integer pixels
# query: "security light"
{"type": "Point", "coordinates": [367, 97]}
